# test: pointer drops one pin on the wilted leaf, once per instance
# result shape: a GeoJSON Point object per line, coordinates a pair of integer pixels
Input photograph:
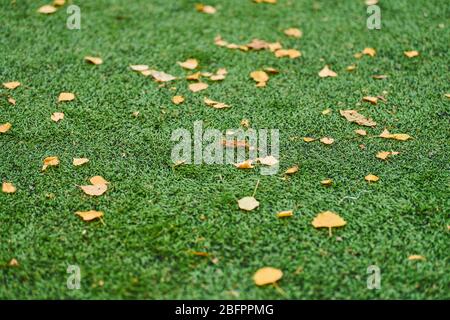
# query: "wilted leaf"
{"type": "Point", "coordinates": [57, 116]}
{"type": "Point", "coordinates": [291, 170]}
{"type": "Point", "coordinates": [90, 215]}
{"type": "Point", "coordinates": [8, 187]}
{"type": "Point", "coordinates": [415, 257]}
{"type": "Point", "coordinates": [383, 155]}
{"type": "Point", "coordinates": [161, 76]}
{"type": "Point", "coordinates": [328, 220]}
{"type": "Point", "coordinates": [268, 160]}
{"type": "Point", "coordinates": [198, 86]}
{"type": "Point", "coordinates": [326, 182]}
{"type": "Point", "coordinates": [94, 190]}
{"type": "Point", "coordinates": [379, 76]}
{"type": "Point", "coordinates": [372, 100]}
{"type": "Point", "coordinates": [291, 53]}
{"type": "Point", "coordinates": [327, 140]}
{"type": "Point", "coordinates": [178, 99]}
{"type": "Point", "coordinates": [59, 3]}
{"type": "Point", "coordinates": [369, 51]}
{"type": "Point", "coordinates": [361, 132]}
{"type": "Point", "coordinates": [11, 85]}
{"type": "Point", "coordinates": [351, 67]}
{"type": "Point", "coordinates": [98, 180]}
{"type": "Point", "coordinates": [285, 214]}
{"type": "Point", "coordinates": [257, 44]}
{"type": "Point", "coordinates": [396, 136]}
{"type": "Point", "coordinates": [265, 1]}
{"type": "Point", "coordinates": [47, 9]}
{"type": "Point", "coordinates": [267, 275]}
{"type": "Point", "coordinates": [50, 161]}
{"type": "Point", "coordinates": [66, 96]}
{"type": "Point", "coordinates": [93, 60]}
{"type": "Point", "coordinates": [205, 9]}
{"type": "Point", "coordinates": [5, 127]}
{"type": "Point", "coordinates": [308, 139]}
{"type": "Point", "coordinates": [13, 263]}
{"type": "Point", "coordinates": [79, 161]}
{"type": "Point", "coordinates": [248, 203]}
{"type": "Point", "coordinates": [189, 64]}
{"type": "Point", "coordinates": [411, 54]}
{"type": "Point", "coordinates": [247, 164]}
{"type": "Point", "coordinates": [354, 116]}
{"type": "Point", "coordinates": [293, 32]}
{"type": "Point", "coordinates": [139, 67]}
{"type": "Point", "coordinates": [12, 101]}
{"type": "Point", "coordinates": [327, 111]}
{"type": "Point", "coordinates": [215, 104]}
{"type": "Point", "coordinates": [260, 77]}
{"type": "Point", "coordinates": [371, 178]}
{"type": "Point", "coordinates": [327, 72]}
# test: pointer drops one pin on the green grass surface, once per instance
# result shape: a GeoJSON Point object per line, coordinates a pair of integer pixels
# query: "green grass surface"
{"type": "Point", "coordinates": [154, 215]}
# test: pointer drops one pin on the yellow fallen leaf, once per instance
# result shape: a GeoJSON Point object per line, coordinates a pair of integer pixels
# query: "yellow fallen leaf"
{"type": "Point", "coordinates": [379, 76]}
{"type": "Point", "coordinates": [328, 219]}
{"type": "Point", "coordinates": [351, 67]}
{"type": "Point", "coordinates": [79, 161]}
{"type": "Point", "coordinates": [416, 257]}
{"type": "Point", "coordinates": [369, 51]}
{"type": "Point", "coordinates": [291, 53]}
{"type": "Point", "coordinates": [94, 190]}
{"type": "Point", "coordinates": [90, 215]}
{"type": "Point", "coordinates": [354, 116]}
{"type": "Point", "coordinates": [396, 136]}
{"type": "Point", "coordinates": [260, 77]}
{"type": "Point", "coordinates": [293, 32]}
{"type": "Point", "coordinates": [66, 96]}
{"type": "Point", "coordinates": [326, 111]}
{"type": "Point", "coordinates": [268, 160]}
{"type": "Point", "coordinates": [198, 86]}
{"type": "Point", "coordinates": [13, 263]}
{"type": "Point", "coordinates": [59, 3]}
{"type": "Point", "coordinates": [245, 123]}
{"type": "Point", "coordinates": [93, 60]}
{"type": "Point", "coordinates": [372, 100]}
{"type": "Point", "coordinates": [327, 140]}
{"type": "Point", "coordinates": [247, 164]}
{"type": "Point", "coordinates": [205, 9]}
{"type": "Point", "coordinates": [285, 214]}
{"type": "Point", "coordinates": [267, 275]}
{"type": "Point", "coordinates": [57, 116]}
{"type": "Point", "coordinates": [139, 67]}
{"type": "Point", "coordinates": [383, 155]}
{"type": "Point", "coordinates": [265, 1]}
{"type": "Point", "coordinates": [361, 132]}
{"type": "Point", "coordinates": [248, 203]}
{"type": "Point", "coordinates": [215, 104]}
{"type": "Point", "coordinates": [200, 253]}
{"type": "Point", "coordinates": [411, 54]}
{"type": "Point", "coordinates": [327, 72]}
{"type": "Point", "coordinates": [98, 180]}
{"type": "Point", "coordinates": [5, 127]}
{"type": "Point", "coordinates": [308, 139]}
{"type": "Point", "coordinates": [8, 187]}
{"type": "Point", "coordinates": [371, 178]}
{"type": "Point", "coordinates": [161, 76]}
{"type": "Point", "coordinates": [327, 182]}
{"type": "Point", "coordinates": [178, 99]}
{"type": "Point", "coordinates": [291, 170]}
{"type": "Point", "coordinates": [47, 9]}
{"type": "Point", "coordinates": [12, 101]}
{"type": "Point", "coordinates": [189, 64]}
{"type": "Point", "coordinates": [50, 161]}
{"type": "Point", "coordinates": [11, 85]}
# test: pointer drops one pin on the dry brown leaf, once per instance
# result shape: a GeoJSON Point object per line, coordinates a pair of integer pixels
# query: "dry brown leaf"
{"type": "Point", "coordinates": [328, 219]}
{"type": "Point", "coordinates": [379, 76]}
{"type": "Point", "coordinates": [372, 100]}
{"type": "Point", "coordinates": [258, 44]}
{"type": "Point", "coordinates": [267, 275]}
{"type": "Point", "coordinates": [271, 70]}
{"type": "Point", "coordinates": [326, 182]}
{"type": "Point", "coordinates": [285, 214]}
{"type": "Point", "coordinates": [308, 139]}
{"type": "Point", "coordinates": [396, 136]}
{"type": "Point", "coordinates": [369, 51]}
{"type": "Point", "coordinates": [139, 67]}
{"type": "Point", "coordinates": [327, 140]}
{"type": "Point", "coordinates": [293, 32]}
{"type": "Point", "coordinates": [94, 190]}
{"type": "Point", "coordinates": [5, 127]}
{"type": "Point", "coordinates": [98, 180]}
{"type": "Point", "coordinates": [90, 215]}
{"type": "Point", "coordinates": [47, 9]}
{"type": "Point", "coordinates": [198, 86]}
{"type": "Point", "coordinates": [235, 144]}
{"type": "Point", "coordinates": [371, 178]}
{"type": "Point", "coordinates": [93, 60]}
{"type": "Point", "coordinates": [411, 54]}
{"type": "Point", "coordinates": [161, 76]}
{"type": "Point", "coordinates": [274, 46]}
{"type": "Point", "coordinates": [415, 257]}
{"type": "Point", "coordinates": [194, 76]}
{"type": "Point", "coordinates": [189, 64]}
{"type": "Point", "coordinates": [268, 160]}
{"type": "Point", "coordinates": [291, 53]}
{"type": "Point", "coordinates": [79, 161]}
{"type": "Point", "coordinates": [217, 77]}
{"type": "Point", "coordinates": [50, 161]}
{"type": "Point", "coordinates": [354, 116]}
{"type": "Point", "coordinates": [178, 99]}
{"type": "Point", "coordinates": [383, 155]}
{"type": "Point", "coordinates": [57, 116]}
{"type": "Point", "coordinates": [248, 203]}
{"type": "Point", "coordinates": [205, 9]}
{"type": "Point", "coordinates": [327, 72]}
{"type": "Point", "coordinates": [13, 263]}
{"type": "Point", "coordinates": [292, 170]}
{"type": "Point", "coordinates": [215, 104]}
{"type": "Point", "coordinates": [8, 187]}
{"type": "Point", "coordinates": [247, 164]}
{"type": "Point", "coordinates": [11, 85]}
{"type": "Point", "coordinates": [12, 101]}
{"type": "Point", "coordinates": [66, 96]}
{"type": "Point", "coordinates": [260, 77]}
{"type": "Point", "coordinates": [361, 132]}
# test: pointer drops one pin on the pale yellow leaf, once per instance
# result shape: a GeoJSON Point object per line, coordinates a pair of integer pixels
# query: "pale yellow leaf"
{"type": "Point", "coordinates": [93, 60]}
{"type": "Point", "coordinates": [98, 180]}
{"type": "Point", "coordinates": [11, 85]}
{"type": "Point", "coordinates": [198, 86]}
{"type": "Point", "coordinates": [94, 190]}
{"type": "Point", "coordinates": [50, 161]}
{"type": "Point", "coordinates": [90, 215]}
{"type": "Point", "coordinates": [47, 9]}
{"type": "Point", "coordinates": [248, 203]}
{"type": "Point", "coordinates": [66, 96]}
{"type": "Point", "coordinates": [178, 99]}
{"type": "Point", "coordinates": [189, 64]}
{"type": "Point", "coordinates": [79, 161]}
{"type": "Point", "coordinates": [57, 116]}
{"type": "Point", "coordinates": [293, 32]}
{"type": "Point", "coordinates": [285, 214]}
{"type": "Point", "coordinates": [327, 72]}
{"type": "Point", "coordinates": [8, 187]}
{"type": "Point", "coordinates": [5, 127]}
{"type": "Point", "coordinates": [371, 178]}
{"type": "Point", "coordinates": [267, 275]}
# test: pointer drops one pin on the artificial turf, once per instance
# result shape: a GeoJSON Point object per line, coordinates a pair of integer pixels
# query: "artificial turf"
{"type": "Point", "coordinates": [155, 215]}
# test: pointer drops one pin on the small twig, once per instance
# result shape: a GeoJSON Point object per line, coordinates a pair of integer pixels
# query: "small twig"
{"type": "Point", "coordinates": [256, 187]}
